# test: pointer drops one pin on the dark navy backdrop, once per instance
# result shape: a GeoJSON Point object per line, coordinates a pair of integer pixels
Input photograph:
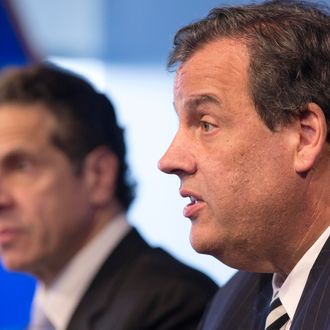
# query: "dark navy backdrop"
{"type": "Point", "coordinates": [12, 46]}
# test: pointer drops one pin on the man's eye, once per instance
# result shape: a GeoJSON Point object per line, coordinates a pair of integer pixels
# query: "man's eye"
{"type": "Point", "coordinates": [207, 127]}
{"type": "Point", "coordinates": [22, 165]}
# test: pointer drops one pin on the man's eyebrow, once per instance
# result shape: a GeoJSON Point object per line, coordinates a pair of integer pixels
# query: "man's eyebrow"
{"type": "Point", "coordinates": [14, 155]}
{"type": "Point", "coordinates": [198, 100]}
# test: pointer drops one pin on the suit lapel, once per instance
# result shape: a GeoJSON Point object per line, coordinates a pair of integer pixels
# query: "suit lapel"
{"type": "Point", "coordinates": [261, 306]}
{"type": "Point", "coordinates": [313, 311]}
{"type": "Point", "coordinates": [107, 282]}
{"type": "Point", "coordinates": [241, 304]}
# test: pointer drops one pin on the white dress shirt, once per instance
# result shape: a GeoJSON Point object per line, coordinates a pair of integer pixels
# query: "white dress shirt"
{"type": "Point", "coordinates": [60, 299]}
{"type": "Point", "coordinates": [292, 288]}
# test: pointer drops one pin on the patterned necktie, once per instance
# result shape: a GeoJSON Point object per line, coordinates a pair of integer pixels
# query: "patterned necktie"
{"type": "Point", "coordinates": [277, 316]}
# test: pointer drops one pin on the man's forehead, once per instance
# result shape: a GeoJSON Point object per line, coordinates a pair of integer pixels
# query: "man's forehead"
{"type": "Point", "coordinates": [221, 48]}
{"type": "Point", "coordinates": [224, 53]}
{"type": "Point", "coordinates": [18, 119]}
{"type": "Point", "coordinates": [221, 63]}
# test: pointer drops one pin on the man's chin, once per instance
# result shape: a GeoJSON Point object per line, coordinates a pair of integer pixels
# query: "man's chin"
{"type": "Point", "coordinates": [15, 265]}
{"type": "Point", "coordinates": [201, 244]}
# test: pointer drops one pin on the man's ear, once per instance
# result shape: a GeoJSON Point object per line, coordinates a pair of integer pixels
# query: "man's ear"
{"type": "Point", "coordinates": [312, 136]}
{"type": "Point", "coordinates": [100, 173]}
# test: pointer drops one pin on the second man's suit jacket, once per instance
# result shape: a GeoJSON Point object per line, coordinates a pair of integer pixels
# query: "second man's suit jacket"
{"type": "Point", "coordinates": [243, 302]}
{"type": "Point", "coordinates": [140, 287]}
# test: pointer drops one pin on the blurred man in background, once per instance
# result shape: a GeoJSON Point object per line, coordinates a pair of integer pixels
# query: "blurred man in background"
{"type": "Point", "coordinates": [64, 192]}
{"type": "Point", "coordinates": [252, 93]}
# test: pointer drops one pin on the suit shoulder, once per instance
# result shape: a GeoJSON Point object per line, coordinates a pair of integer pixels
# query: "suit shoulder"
{"type": "Point", "coordinates": [239, 297]}
{"type": "Point", "coordinates": [159, 266]}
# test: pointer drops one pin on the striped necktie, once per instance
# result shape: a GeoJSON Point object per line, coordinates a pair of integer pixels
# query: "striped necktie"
{"type": "Point", "coordinates": [277, 316]}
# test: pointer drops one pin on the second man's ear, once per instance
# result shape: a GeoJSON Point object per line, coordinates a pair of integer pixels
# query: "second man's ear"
{"type": "Point", "coordinates": [312, 136]}
{"type": "Point", "coordinates": [100, 174]}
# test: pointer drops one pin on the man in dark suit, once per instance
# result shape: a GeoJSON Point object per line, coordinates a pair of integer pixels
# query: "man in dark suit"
{"type": "Point", "coordinates": [253, 155]}
{"type": "Point", "coordinates": [64, 192]}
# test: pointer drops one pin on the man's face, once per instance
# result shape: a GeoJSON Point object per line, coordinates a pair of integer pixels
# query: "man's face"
{"type": "Point", "coordinates": [45, 214]}
{"type": "Point", "coordinates": [238, 174]}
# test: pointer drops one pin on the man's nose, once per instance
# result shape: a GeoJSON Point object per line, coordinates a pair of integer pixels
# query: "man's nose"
{"type": "Point", "coordinates": [165, 164]}
{"type": "Point", "coordinates": [5, 198]}
{"type": "Point", "coordinates": [178, 158]}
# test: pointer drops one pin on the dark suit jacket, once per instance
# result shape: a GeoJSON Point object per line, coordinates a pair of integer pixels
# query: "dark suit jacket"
{"type": "Point", "coordinates": [140, 287]}
{"type": "Point", "coordinates": [243, 302]}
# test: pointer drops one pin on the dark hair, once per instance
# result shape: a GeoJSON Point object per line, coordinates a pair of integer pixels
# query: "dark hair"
{"type": "Point", "coordinates": [289, 47]}
{"type": "Point", "coordinates": [86, 118]}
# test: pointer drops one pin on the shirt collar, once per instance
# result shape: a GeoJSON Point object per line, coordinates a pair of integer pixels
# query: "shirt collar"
{"type": "Point", "coordinates": [292, 288]}
{"type": "Point", "coordinates": [60, 299]}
